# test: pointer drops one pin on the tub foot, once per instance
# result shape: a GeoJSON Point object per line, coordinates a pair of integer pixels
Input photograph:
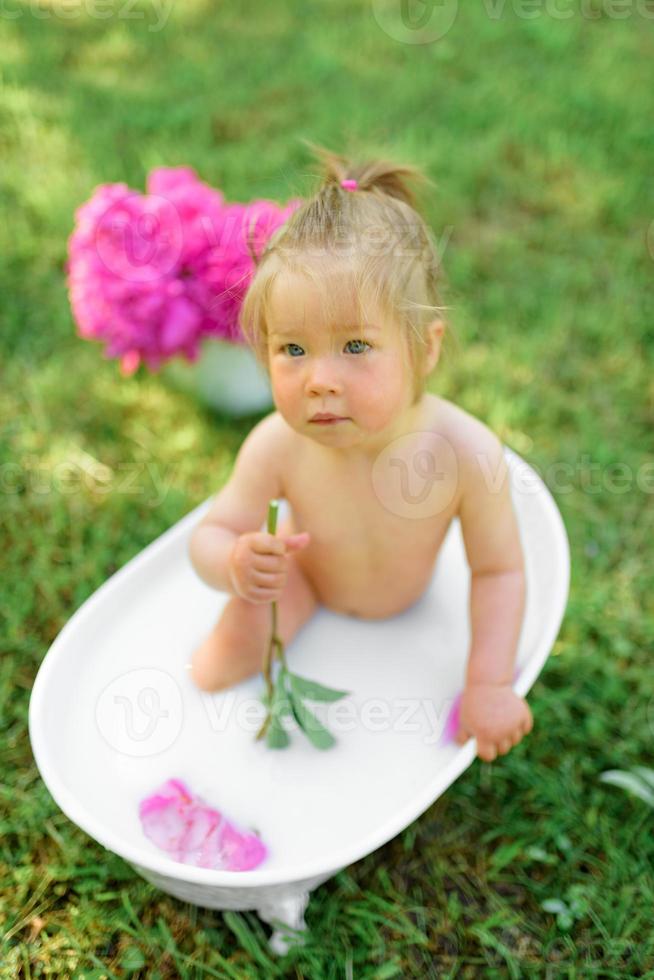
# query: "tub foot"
{"type": "Point", "coordinates": [287, 913]}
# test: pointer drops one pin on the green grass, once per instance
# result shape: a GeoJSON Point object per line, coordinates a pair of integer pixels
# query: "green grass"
{"type": "Point", "coordinates": [538, 134]}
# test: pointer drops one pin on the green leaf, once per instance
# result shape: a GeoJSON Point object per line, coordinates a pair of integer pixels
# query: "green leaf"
{"type": "Point", "coordinates": [282, 705]}
{"type": "Point", "coordinates": [312, 728]}
{"type": "Point", "coordinates": [132, 959]}
{"type": "Point", "coordinates": [281, 699]}
{"type": "Point", "coordinates": [564, 921]}
{"type": "Point", "coordinates": [554, 905]}
{"type": "Point", "coordinates": [577, 906]}
{"type": "Point", "coordinates": [632, 783]}
{"type": "Point", "coordinates": [647, 775]}
{"type": "Point", "coordinates": [505, 854]}
{"type": "Point", "coordinates": [276, 737]}
{"type": "Point", "coordinates": [305, 688]}
{"type": "Point", "coordinates": [536, 853]}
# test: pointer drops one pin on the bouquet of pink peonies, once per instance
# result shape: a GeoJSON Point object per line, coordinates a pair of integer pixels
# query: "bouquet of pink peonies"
{"type": "Point", "coordinates": [151, 275]}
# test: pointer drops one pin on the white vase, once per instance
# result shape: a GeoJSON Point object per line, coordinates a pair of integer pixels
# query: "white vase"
{"type": "Point", "coordinates": [226, 377]}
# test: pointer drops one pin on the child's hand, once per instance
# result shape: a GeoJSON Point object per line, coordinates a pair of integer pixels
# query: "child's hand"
{"type": "Point", "coordinates": [258, 564]}
{"type": "Point", "coordinates": [496, 716]}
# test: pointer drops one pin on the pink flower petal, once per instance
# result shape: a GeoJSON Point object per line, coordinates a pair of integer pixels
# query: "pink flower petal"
{"type": "Point", "coordinates": [193, 833]}
{"type": "Point", "coordinates": [129, 362]}
{"type": "Point", "coordinates": [452, 723]}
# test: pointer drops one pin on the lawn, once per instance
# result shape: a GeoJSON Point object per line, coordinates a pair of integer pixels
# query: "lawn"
{"type": "Point", "coordinates": [537, 129]}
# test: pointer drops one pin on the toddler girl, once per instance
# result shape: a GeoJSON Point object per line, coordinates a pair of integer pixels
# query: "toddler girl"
{"type": "Point", "coordinates": [343, 313]}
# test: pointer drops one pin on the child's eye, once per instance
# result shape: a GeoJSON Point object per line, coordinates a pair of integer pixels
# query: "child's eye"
{"type": "Point", "coordinates": [297, 346]}
{"type": "Point", "coordinates": [359, 342]}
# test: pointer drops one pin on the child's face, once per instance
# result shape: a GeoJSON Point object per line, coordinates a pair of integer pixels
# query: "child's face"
{"type": "Point", "coordinates": [339, 363]}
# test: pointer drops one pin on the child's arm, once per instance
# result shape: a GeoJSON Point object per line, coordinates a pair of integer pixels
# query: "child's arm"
{"type": "Point", "coordinates": [490, 710]}
{"type": "Point", "coordinates": [241, 506]}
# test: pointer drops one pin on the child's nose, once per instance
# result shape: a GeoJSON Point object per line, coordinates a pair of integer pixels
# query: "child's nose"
{"type": "Point", "coordinates": [324, 377]}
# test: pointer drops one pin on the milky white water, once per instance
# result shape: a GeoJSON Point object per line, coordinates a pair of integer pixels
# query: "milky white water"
{"type": "Point", "coordinates": [118, 713]}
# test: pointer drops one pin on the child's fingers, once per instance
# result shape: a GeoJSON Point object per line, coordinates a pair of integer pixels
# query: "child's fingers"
{"type": "Point", "coordinates": [486, 751]}
{"type": "Point", "coordinates": [263, 596]}
{"type": "Point", "coordinates": [296, 541]}
{"type": "Point", "coordinates": [267, 544]}
{"type": "Point", "coordinates": [270, 580]}
{"type": "Point", "coordinates": [269, 563]}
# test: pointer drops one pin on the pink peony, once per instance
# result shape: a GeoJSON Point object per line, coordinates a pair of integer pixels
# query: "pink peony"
{"type": "Point", "coordinates": [152, 274]}
{"type": "Point", "coordinates": [194, 833]}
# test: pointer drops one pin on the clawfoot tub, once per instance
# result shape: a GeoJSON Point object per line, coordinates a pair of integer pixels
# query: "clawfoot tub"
{"type": "Point", "coordinates": [113, 714]}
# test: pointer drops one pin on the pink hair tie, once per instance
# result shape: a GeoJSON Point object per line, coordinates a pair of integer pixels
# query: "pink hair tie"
{"type": "Point", "coordinates": [349, 185]}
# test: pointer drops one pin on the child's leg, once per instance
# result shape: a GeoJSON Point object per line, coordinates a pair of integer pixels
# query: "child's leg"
{"type": "Point", "coordinates": [236, 647]}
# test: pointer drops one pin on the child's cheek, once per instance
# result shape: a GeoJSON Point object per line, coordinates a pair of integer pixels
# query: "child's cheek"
{"type": "Point", "coordinates": [379, 393]}
{"type": "Point", "coordinates": [285, 389]}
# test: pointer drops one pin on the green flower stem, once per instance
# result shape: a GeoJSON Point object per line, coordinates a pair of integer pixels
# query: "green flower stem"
{"type": "Point", "coordinates": [275, 646]}
{"type": "Point", "coordinates": [300, 687]}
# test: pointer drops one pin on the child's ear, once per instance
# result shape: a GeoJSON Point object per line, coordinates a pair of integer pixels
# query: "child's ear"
{"type": "Point", "coordinates": [434, 338]}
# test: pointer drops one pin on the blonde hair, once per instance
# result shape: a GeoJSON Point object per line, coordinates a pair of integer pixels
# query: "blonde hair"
{"type": "Point", "coordinates": [376, 231]}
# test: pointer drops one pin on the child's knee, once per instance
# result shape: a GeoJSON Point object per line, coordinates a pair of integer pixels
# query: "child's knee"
{"type": "Point", "coordinates": [296, 605]}
{"type": "Point", "coordinates": [234, 648]}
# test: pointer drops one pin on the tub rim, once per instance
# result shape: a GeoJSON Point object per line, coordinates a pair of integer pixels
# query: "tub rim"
{"type": "Point", "coordinates": [463, 755]}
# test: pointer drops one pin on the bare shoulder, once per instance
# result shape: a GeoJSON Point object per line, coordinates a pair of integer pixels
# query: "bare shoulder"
{"type": "Point", "coordinates": [484, 506]}
{"type": "Point", "coordinates": [269, 441]}
{"type": "Point", "coordinates": [271, 431]}
{"type": "Point", "coordinates": [281, 439]}
{"type": "Point", "coordinates": [467, 433]}
{"type": "Point", "coordinates": [478, 450]}
{"type": "Point", "coordinates": [242, 503]}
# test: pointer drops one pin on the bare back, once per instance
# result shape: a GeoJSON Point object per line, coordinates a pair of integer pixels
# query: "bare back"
{"type": "Point", "coordinates": [376, 527]}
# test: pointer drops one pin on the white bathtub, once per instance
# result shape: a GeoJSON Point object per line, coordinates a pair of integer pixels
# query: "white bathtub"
{"type": "Point", "coordinates": [113, 714]}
